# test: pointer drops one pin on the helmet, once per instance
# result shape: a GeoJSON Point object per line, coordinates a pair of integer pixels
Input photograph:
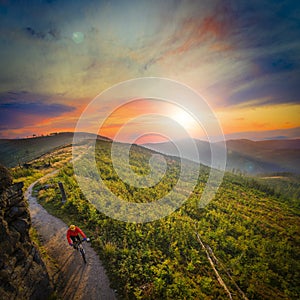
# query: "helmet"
{"type": "Point", "coordinates": [72, 227]}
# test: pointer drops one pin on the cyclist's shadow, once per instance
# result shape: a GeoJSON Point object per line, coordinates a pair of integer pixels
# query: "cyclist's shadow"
{"type": "Point", "coordinates": [71, 289]}
{"type": "Point", "coordinates": [61, 267]}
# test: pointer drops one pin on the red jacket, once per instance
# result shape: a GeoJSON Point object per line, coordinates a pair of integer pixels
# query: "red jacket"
{"type": "Point", "coordinates": [74, 233]}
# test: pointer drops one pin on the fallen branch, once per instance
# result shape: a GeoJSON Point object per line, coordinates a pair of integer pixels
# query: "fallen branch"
{"type": "Point", "coordinates": [222, 283]}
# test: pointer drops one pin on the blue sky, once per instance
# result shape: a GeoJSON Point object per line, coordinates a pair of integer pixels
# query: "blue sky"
{"type": "Point", "coordinates": [243, 57]}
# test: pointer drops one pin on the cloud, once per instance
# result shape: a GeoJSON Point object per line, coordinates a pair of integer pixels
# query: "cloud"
{"type": "Point", "coordinates": [291, 133]}
{"type": "Point", "coordinates": [262, 23]}
{"type": "Point", "coordinates": [262, 63]}
{"type": "Point", "coordinates": [50, 110]}
{"type": "Point", "coordinates": [50, 34]}
{"type": "Point", "coordinates": [235, 53]}
{"type": "Point", "coordinates": [198, 26]}
{"type": "Point", "coordinates": [266, 89]}
{"type": "Point", "coordinates": [275, 63]}
{"type": "Point", "coordinates": [17, 111]}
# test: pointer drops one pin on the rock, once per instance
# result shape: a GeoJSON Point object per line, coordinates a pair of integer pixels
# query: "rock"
{"type": "Point", "coordinates": [6, 248]}
{"type": "Point", "coordinates": [23, 274]}
{"type": "Point", "coordinates": [3, 229]}
{"type": "Point", "coordinates": [5, 178]}
{"type": "Point", "coordinates": [4, 275]}
{"type": "Point", "coordinates": [36, 256]}
{"type": "Point", "coordinates": [21, 225]}
{"type": "Point", "coordinates": [15, 194]}
{"type": "Point", "coordinates": [16, 211]}
{"type": "Point", "coordinates": [20, 256]}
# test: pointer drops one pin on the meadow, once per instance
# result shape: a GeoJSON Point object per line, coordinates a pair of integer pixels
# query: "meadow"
{"type": "Point", "coordinates": [248, 235]}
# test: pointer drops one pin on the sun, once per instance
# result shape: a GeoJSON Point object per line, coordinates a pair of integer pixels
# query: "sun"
{"type": "Point", "coordinates": [185, 119]}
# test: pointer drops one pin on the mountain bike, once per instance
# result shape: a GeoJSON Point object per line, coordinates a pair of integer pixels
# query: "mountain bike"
{"type": "Point", "coordinates": [78, 246]}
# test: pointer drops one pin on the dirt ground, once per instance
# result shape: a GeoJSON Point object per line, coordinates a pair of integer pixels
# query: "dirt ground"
{"type": "Point", "coordinates": [71, 277]}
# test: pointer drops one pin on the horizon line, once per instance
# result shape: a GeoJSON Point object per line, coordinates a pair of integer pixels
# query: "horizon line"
{"type": "Point", "coordinates": [276, 138]}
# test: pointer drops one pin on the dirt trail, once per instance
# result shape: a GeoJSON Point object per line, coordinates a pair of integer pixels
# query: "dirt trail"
{"type": "Point", "coordinates": [73, 279]}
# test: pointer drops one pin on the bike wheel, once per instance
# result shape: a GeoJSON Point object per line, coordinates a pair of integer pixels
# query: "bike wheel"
{"type": "Point", "coordinates": [83, 255]}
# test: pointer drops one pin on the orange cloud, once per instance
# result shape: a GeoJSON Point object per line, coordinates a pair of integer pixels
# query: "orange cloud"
{"type": "Point", "coordinates": [29, 124]}
{"type": "Point", "coordinates": [259, 119]}
{"type": "Point", "coordinates": [125, 113]}
{"type": "Point", "coordinates": [194, 32]}
{"type": "Point", "coordinates": [147, 117]}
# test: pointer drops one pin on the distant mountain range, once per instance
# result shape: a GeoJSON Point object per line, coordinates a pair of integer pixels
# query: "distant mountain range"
{"type": "Point", "coordinates": [15, 152]}
{"type": "Point", "coordinates": [243, 155]}
{"type": "Point", "coordinates": [246, 156]}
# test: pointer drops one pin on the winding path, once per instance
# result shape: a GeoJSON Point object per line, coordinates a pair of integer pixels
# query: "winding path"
{"type": "Point", "coordinates": [72, 278]}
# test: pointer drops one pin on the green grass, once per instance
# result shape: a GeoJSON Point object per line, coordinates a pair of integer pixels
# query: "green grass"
{"type": "Point", "coordinates": [252, 231]}
{"type": "Point", "coordinates": [16, 152]}
{"type": "Point", "coordinates": [285, 185]}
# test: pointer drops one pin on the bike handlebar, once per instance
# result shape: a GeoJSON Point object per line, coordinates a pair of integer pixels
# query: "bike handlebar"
{"type": "Point", "coordinates": [80, 242]}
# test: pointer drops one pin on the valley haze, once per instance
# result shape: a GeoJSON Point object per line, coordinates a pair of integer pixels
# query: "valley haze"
{"type": "Point", "coordinates": [245, 156]}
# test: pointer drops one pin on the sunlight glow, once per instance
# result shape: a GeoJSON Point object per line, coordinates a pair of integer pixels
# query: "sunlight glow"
{"type": "Point", "coordinates": [184, 118]}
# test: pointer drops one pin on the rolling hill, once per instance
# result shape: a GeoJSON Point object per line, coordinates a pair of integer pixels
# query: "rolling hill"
{"type": "Point", "coordinates": [250, 235]}
{"type": "Point", "coordinates": [246, 156]}
{"type": "Point", "coordinates": [243, 156]}
{"type": "Point", "coordinates": [15, 152]}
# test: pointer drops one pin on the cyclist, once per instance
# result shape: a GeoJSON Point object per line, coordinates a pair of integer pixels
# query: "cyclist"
{"type": "Point", "coordinates": [73, 234]}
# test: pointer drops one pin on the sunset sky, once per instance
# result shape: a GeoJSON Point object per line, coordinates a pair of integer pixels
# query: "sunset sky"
{"type": "Point", "coordinates": [242, 57]}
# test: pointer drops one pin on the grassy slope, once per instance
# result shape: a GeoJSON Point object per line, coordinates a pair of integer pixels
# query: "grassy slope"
{"type": "Point", "coordinates": [253, 234]}
{"type": "Point", "coordinates": [19, 151]}
{"type": "Point", "coordinates": [14, 152]}
{"type": "Point", "coordinates": [285, 185]}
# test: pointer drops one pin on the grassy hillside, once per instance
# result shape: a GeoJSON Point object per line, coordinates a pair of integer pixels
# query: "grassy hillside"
{"type": "Point", "coordinates": [251, 235]}
{"type": "Point", "coordinates": [242, 155]}
{"type": "Point", "coordinates": [285, 185]}
{"type": "Point", "coordinates": [14, 152]}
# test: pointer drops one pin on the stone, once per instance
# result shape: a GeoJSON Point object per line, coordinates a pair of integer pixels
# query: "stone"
{"type": "Point", "coordinates": [23, 274]}
{"type": "Point", "coordinates": [21, 225]}
{"type": "Point", "coordinates": [16, 211]}
{"type": "Point", "coordinates": [4, 275]}
{"type": "Point", "coordinates": [5, 178]}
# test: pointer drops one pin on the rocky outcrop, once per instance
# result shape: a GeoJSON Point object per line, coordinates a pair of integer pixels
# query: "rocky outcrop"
{"type": "Point", "coordinates": [23, 274]}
